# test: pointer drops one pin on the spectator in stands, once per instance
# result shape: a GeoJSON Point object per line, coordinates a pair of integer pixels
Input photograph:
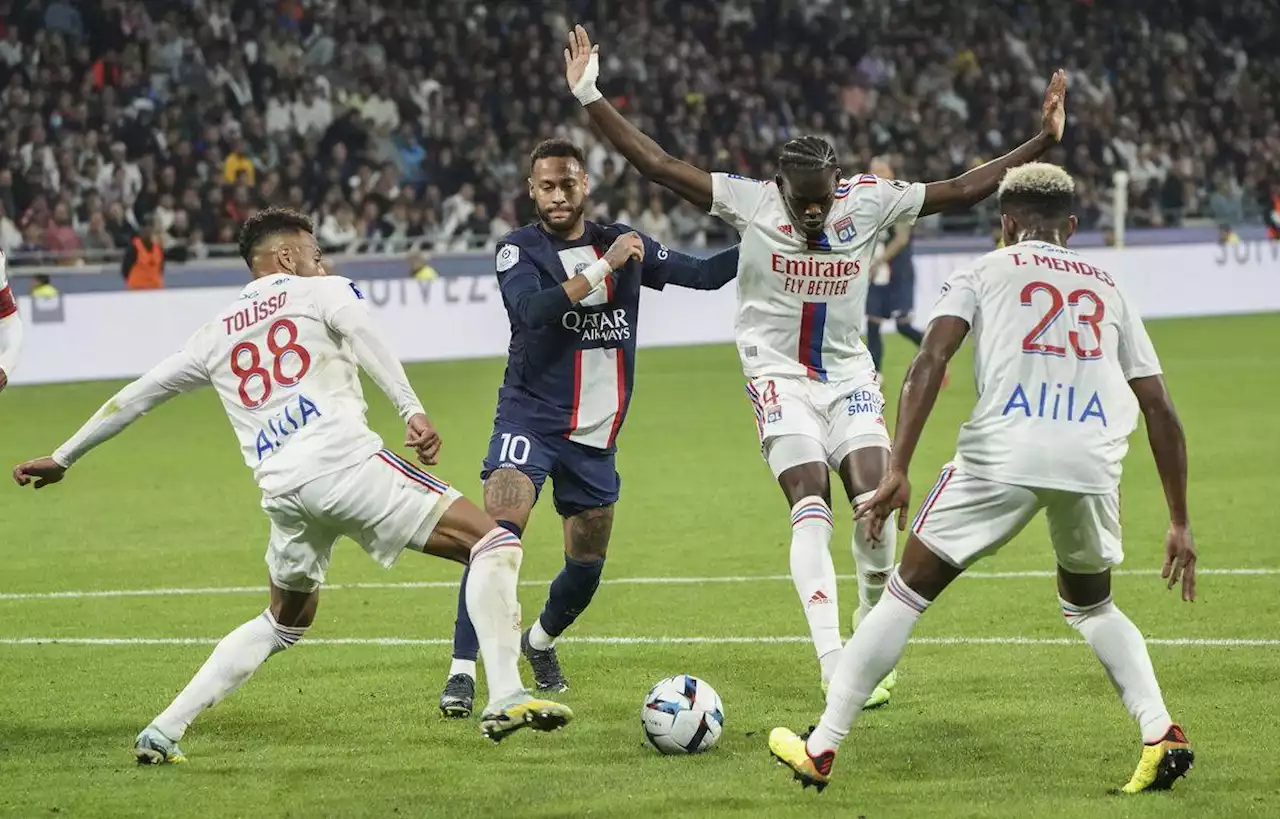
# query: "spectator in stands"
{"type": "Point", "coordinates": [42, 287]}
{"type": "Point", "coordinates": [420, 267]}
{"type": "Point", "coordinates": [10, 236]}
{"type": "Point", "coordinates": [96, 235]}
{"type": "Point", "coordinates": [135, 100]}
{"type": "Point", "coordinates": [143, 265]}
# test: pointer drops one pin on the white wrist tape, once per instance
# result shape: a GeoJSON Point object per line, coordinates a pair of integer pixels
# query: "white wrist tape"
{"type": "Point", "coordinates": [595, 272]}
{"type": "Point", "coordinates": [585, 88]}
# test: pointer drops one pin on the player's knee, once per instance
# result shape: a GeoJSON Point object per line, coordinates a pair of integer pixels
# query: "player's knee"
{"type": "Point", "coordinates": [509, 495]}
{"type": "Point", "coordinates": [588, 534]}
{"type": "Point", "coordinates": [806, 480]}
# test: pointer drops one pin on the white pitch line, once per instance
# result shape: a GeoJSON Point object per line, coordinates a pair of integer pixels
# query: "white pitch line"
{"type": "Point", "coordinates": [616, 581]}
{"type": "Point", "coordinates": [1206, 642]}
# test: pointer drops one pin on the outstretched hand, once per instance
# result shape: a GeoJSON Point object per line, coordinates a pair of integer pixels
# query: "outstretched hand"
{"type": "Point", "coordinates": [43, 471]}
{"type": "Point", "coordinates": [1053, 114]}
{"type": "Point", "coordinates": [582, 66]}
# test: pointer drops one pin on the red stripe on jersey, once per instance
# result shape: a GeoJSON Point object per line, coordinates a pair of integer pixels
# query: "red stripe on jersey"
{"type": "Point", "coordinates": [577, 392]}
{"type": "Point", "coordinates": [622, 395]}
{"type": "Point", "coordinates": [8, 306]}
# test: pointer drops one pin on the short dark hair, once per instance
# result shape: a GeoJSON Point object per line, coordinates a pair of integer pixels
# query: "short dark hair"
{"type": "Point", "coordinates": [557, 147]}
{"type": "Point", "coordinates": [1037, 191]}
{"type": "Point", "coordinates": [270, 222]}
{"type": "Point", "coordinates": [807, 153]}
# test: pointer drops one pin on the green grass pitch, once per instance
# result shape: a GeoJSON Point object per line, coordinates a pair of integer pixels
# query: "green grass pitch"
{"type": "Point", "coordinates": [974, 730]}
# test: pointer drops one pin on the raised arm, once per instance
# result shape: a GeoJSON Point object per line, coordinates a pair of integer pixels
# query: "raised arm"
{"type": "Point", "coordinates": [582, 68]}
{"type": "Point", "coordinates": [973, 186]}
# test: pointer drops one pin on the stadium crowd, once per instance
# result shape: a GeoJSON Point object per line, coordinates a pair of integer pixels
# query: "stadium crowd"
{"type": "Point", "coordinates": [404, 120]}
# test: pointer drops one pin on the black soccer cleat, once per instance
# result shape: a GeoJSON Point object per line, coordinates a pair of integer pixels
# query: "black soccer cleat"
{"type": "Point", "coordinates": [547, 675]}
{"type": "Point", "coordinates": [458, 697]}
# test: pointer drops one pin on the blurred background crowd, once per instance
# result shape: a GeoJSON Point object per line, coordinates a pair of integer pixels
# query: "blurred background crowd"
{"type": "Point", "coordinates": [408, 122]}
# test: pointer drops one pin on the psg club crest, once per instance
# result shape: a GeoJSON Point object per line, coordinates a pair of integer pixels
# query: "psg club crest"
{"type": "Point", "coordinates": [844, 229]}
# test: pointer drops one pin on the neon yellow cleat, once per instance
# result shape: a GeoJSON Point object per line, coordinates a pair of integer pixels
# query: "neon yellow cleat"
{"type": "Point", "coordinates": [501, 719]}
{"type": "Point", "coordinates": [890, 681]}
{"type": "Point", "coordinates": [1162, 763]}
{"type": "Point", "coordinates": [790, 750]}
{"type": "Point", "coordinates": [878, 697]}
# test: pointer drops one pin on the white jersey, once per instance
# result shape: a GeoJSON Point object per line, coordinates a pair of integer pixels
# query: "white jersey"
{"type": "Point", "coordinates": [10, 323]}
{"type": "Point", "coordinates": [283, 360]}
{"type": "Point", "coordinates": [1055, 345]}
{"type": "Point", "coordinates": [802, 303]}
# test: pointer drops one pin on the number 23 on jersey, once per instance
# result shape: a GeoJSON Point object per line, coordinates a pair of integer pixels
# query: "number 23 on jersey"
{"type": "Point", "coordinates": [1086, 311]}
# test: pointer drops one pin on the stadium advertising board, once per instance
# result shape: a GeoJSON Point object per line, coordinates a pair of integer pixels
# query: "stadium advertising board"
{"type": "Point", "coordinates": [118, 334]}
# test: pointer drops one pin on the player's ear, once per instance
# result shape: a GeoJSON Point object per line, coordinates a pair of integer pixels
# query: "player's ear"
{"type": "Point", "coordinates": [530, 181]}
{"type": "Point", "coordinates": [1072, 224]}
{"type": "Point", "coordinates": [1008, 229]}
{"type": "Point", "coordinates": [285, 258]}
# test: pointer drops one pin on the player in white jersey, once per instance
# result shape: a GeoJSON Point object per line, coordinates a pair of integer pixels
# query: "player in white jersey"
{"type": "Point", "coordinates": [1063, 364]}
{"type": "Point", "coordinates": [10, 327]}
{"type": "Point", "coordinates": [283, 360]}
{"type": "Point", "coordinates": [808, 239]}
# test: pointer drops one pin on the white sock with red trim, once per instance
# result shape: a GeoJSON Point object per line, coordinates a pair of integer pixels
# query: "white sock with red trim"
{"type": "Point", "coordinates": [871, 653]}
{"type": "Point", "coordinates": [814, 575]}
{"type": "Point", "coordinates": [1123, 653]}
{"type": "Point", "coordinates": [873, 558]}
{"type": "Point", "coordinates": [495, 611]}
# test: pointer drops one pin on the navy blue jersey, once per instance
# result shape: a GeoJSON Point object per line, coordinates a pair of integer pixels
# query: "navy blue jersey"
{"type": "Point", "coordinates": [902, 265]}
{"type": "Point", "coordinates": [570, 368]}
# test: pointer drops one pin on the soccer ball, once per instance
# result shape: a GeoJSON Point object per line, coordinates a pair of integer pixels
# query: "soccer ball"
{"type": "Point", "coordinates": [682, 715]}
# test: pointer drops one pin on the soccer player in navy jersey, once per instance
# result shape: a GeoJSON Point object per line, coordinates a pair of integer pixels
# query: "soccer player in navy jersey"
{"type": "Point", "coordinates": [572, 292]}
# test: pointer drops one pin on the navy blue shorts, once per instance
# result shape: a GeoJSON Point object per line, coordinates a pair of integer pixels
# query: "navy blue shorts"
{"type": "Point", "coordinates": [893, 300]}
{"type": "Point", "coordinates": [582, 478]}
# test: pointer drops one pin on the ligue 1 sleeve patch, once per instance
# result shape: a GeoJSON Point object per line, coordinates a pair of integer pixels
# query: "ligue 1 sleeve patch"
{"type": "Point", "coordinates": [508, 255]}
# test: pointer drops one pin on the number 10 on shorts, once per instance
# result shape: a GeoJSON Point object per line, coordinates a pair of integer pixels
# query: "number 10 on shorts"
{"type": "Point", "coordinates": [515, 449]}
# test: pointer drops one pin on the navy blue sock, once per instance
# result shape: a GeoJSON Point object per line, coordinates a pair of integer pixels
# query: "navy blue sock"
{"type": "Point", "coordinates": [874, 344]}
{"type": "Point", "coordinates": [907, 331]}
{"type": "Point", "coordinates": [570, 594]}
{"type": "Point", "coordinates": [466, 646]}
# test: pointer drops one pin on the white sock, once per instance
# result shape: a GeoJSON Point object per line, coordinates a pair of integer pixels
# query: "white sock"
{"type": "Point", "coordinates": [1123, 653]}
{"type": "Point", "coordinates": [467, 667]}
{"type": "Point", "coordinates": [873, 558]}
{"type": "Point", "coordinates": [231, 664]}
{"type": "Point", "coordinates": [538, 637]}
{"type": "Point", "coordinates": [814, 575]}
{"type": "Point", "coordinates": [495, 611]}
{"type": "Point", "coordinates": [871, 653]}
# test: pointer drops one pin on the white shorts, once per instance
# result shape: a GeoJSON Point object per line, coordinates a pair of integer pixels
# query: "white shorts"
{"type": "Point", "coordinates": [384, 504]}
{"type": "Point", "coordinates": [838, 416]}
{"type": "Point", "coordinates": [966, 518]}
